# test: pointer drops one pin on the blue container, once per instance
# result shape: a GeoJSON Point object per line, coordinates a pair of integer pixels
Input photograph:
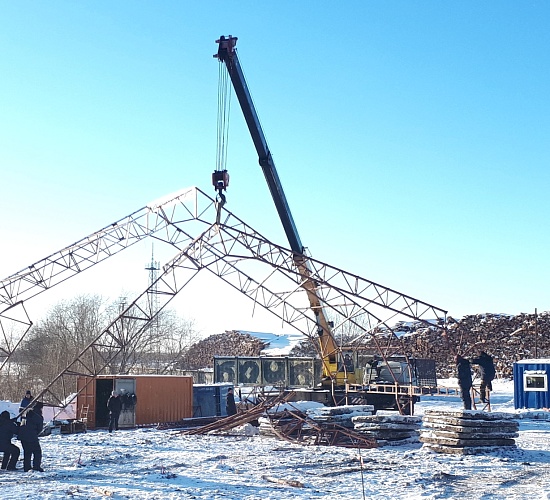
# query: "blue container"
{"type": "Point", "coordinates": [209, 400]}
{"type": "Point", "coordinates": [531, 388]}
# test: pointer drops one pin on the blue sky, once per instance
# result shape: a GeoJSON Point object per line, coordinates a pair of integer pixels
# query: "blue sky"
{"type": "Point", "coordinates": [411, 138]}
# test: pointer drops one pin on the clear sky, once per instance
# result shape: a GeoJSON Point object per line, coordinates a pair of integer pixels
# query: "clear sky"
{"type": "Point", "coordinates": [411, 138]}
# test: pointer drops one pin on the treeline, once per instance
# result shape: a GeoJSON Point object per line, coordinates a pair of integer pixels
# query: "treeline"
{"type": "Point", "coordinates": [68, 330]}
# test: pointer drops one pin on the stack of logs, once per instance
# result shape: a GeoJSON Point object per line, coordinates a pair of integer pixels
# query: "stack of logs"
{"type": "Point", "coordinates": [468, 432]}
{"type": "Point", "coordinates": [506, 337]}
{"type": "Point", "coordinates": [230, 343]}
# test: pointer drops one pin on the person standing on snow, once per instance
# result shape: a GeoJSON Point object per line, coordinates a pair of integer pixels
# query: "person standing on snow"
{"type": "Point", "coordinates": [25, 401]}
{"type": "Point", "coordinates": [230, 406]}
{"type": "Point", "coordinates": [464, 375]}
{"type": "Point", "coordinates": [487, 369]}
{"type": "Point", "coordinates": [29, 430]}
{"type": "Point", "coordinates": [8, 429]}
{"type": "Point", "coordinates": [114, 404]}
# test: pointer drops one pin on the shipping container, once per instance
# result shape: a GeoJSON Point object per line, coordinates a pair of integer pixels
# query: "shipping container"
{"type": "Point", "coordinates": [531, 388]}
{"type": "Point", "coordinates": [146, 399]}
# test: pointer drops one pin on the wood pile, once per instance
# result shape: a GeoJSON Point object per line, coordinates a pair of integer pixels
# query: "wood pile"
{"type": "Point", "coordinates": [230, 343]}
{"type": "Point", "coordinates": [389, 429]}
{"type": "Point", "coordinates": [506, 337]}
{"type": "Point", "coordinates": [468, 432]}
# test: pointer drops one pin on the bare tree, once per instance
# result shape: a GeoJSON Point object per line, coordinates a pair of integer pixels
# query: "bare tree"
{"type": "Point", "coordinates": [14, 380]}
{"type": "Point", "coordinates": [55, 341]}
{"type": "Point", "coordinates": [149, 347]}
{"type": "Point", "coordinates": [71, 326]}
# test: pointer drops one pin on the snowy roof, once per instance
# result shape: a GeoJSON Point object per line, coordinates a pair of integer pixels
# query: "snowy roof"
{"type": "Point", "coordinates": [279, 345]}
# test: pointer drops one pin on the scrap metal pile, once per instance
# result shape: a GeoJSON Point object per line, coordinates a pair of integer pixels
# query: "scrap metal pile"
{"type": "Point", "coordinates": [350, 426]}
{"type": "Point", "coordinates": [302, 427]}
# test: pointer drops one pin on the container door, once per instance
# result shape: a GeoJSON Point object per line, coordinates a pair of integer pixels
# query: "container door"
{"type": "Point", "coordinates": [104, 387]}
{"type": "Point", "coordinates": [126, 387]}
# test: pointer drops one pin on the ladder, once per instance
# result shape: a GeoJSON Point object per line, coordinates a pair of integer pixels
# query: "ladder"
{"type": "Point", "coordinates": [476, 398]}
{"type": "Point", "coordinates": [84, 409]}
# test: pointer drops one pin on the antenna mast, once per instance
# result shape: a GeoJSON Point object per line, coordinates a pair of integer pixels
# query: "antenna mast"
{"type": "Point", "coordinates": [152, 294]}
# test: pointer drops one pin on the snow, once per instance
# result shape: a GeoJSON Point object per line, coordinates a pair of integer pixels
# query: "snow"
{"type": "Point", "coordinates": [154, 464]}
{"type": "Point", "coordinates": [48, 412]}
{"type": "Point", "coordinates": [278, 344]}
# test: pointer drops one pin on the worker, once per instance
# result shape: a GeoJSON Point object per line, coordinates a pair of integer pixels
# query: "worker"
{"type": "Point", "coordinates": [230, 406]}
{"type": "Point", "coordinates": [464, 375]}
{"type": "Point", "coordinates": [29, 430]}
{"type": "Point", "coordinates": [25, 401]}
{"type": "Point", "coordinates": [487, 371]}
{"type": "Point", "coordinates": [114, 405]}
{"type": "Point", "coordinates": [348, 363]}
{"type": "Point", "coordinates": [8, 429]}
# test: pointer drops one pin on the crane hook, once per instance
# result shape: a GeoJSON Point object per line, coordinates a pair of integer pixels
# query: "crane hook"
{"type": "Point", "coordinates": [220, 202]}
{"type": "Point", "coordinates": [220, 181]}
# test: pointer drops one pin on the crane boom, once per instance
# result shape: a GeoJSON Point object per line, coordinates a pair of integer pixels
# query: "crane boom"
{"type": "Point", "coordinates": [227, 54]}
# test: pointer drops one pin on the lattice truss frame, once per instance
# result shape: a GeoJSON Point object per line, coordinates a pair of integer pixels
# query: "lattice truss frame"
{"type": "Point", "coordinates": [264, 272]}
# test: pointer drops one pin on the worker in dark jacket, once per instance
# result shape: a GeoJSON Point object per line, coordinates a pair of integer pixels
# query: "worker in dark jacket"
{"type": "Point", "coordinates": [230, 406]}
{"type": "Point", "coordinates": [464, 375]}
{"type": "Point", "coordinates": [25, 401]}
{"type": "Point", "coordinates": [29, 430]}
{"type": "Point", "coordinates": [114, 404]}
{"type": "Point", "coordinates": [487, 371]}
{"type": "Point", "coordinates": [8, 429]}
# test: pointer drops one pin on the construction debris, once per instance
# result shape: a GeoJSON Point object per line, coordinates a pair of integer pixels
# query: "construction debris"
{"type": "Point", "coordinates": [227, 423]}
{"type": "Point", "coordinates": [327, 426]}
{"type": "Point", "coordinates": [468, 432]}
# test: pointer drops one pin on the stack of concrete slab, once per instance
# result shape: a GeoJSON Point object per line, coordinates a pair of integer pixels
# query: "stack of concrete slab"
{"type": "Point", "coordinates": [341, 415]}
{"type": "Point", "coordinates": [303, 423]}
{"type": "Point", "coordinates": [468, 432]}
{"type": "Point", "coordinates": [389, 429]}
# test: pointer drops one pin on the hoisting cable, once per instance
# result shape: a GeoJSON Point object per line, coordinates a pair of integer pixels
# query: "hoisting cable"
{"type": "Point", "coordinates": [220, 176]}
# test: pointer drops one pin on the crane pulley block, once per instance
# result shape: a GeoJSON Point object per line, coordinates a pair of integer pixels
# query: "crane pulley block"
{"type": "Point", "coordinates": [220, 180]}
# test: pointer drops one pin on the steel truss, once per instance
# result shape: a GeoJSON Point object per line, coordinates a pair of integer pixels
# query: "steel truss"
{"type": "Point", "coordinates": [154, 220]}
{"type": "Point", "coordinates": [266, 273]}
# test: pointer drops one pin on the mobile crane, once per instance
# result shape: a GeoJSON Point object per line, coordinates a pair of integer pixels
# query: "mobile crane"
{"type": "Point", "coordinates": [329, 349]}
{"type": "Point", "coordinates": [344, 379]}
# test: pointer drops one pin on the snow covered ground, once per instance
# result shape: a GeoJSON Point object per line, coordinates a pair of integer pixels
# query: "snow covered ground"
{"type": "Point", "coordinates": [154, 464]}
